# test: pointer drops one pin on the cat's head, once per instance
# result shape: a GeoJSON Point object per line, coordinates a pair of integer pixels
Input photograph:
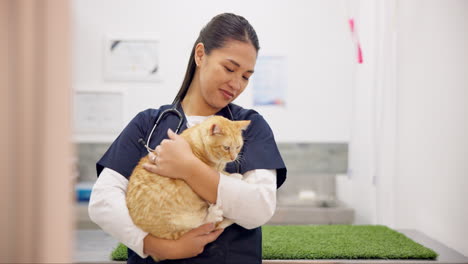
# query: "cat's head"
{"type": "Point", "coordinates": [223, 138]}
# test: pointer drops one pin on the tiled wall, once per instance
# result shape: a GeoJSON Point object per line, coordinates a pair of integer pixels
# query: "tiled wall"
{"type": "Point", "coordinates": [311, 170]}
{"type": "Point", "coordinates": [88, 155]}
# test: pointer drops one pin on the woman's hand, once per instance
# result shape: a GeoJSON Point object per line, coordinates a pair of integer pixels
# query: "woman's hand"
{"type": "Point", "coordinates": [193, 242]}
{"type": "Point", "coordinates": [189, 245]}
{"type": "Point", "coordinates": [172, 158]}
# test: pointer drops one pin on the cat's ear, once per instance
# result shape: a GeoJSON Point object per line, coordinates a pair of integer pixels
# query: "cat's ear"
{"type": "Point", "coordinates": [243, 124]}
{"type": "Point", "coordinates": [215, 129]}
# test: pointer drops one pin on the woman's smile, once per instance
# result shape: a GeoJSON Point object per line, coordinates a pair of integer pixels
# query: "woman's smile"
{"type": "Point", "coordinates": [227, 95]}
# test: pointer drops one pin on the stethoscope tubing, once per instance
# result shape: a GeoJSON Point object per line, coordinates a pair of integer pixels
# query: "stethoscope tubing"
{"type": "Point", "coordinates": [166, 112]}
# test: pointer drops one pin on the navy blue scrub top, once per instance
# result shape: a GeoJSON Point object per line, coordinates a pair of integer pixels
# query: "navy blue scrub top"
{"type": "Point", "coordinates": [236, 244]}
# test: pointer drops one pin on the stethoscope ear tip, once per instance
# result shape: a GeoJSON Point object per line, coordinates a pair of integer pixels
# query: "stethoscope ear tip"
{"type": "Point", "coordinates": [142, 141]}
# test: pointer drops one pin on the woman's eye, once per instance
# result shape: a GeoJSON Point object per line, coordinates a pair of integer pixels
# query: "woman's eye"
{"type": "Point", "coordinates": [246, 78]}
{"type": "Point", "coordinates": [226, 147]}
{"type": "Point", "coordinates": [227, 69]}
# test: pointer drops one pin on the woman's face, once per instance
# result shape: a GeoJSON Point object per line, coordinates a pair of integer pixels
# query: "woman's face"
{"type": "Point", "coordinates": [225, 72]}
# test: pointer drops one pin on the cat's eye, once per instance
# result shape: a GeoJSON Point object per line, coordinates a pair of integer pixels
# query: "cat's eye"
{"type": "Point", "coordinates": [238, 147]}
{"type": "Point", "coordinates": [226, 147]}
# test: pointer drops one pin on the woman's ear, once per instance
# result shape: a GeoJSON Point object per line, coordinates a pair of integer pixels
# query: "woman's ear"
{"type": "Point", "coordinates": [199, 53]}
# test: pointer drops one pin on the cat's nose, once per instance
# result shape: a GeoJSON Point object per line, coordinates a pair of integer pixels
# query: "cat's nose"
{"type": "Point", "coordinates": [233, 157]}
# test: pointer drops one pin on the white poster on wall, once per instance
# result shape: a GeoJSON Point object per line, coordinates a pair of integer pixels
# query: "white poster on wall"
{"type": "Point", "coordinates": [131, 59]}
{"type": "Point", "coordinates": [98, 113]}
{"type": "Point", "coordinates": [269, 83]}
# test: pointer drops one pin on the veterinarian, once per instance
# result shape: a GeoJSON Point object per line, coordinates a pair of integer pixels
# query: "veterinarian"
{"type": "Point", "coordinates": [221, 63]}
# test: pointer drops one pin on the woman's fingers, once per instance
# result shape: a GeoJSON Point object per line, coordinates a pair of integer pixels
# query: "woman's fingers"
{"type": "Point", "coordinates": [150, 167]}
{"type": "Point", "coordinates": [213, 236]}
{"type": "Point", "coordinates": [208, 232]}
{"type": "Point", "coordinates": [152, 158]}
{"type": "Point", "coordinates": [172, 135]}
{"type": "Point", "coordinates": [157, 150]}
{"type": "Point", "coordinates": [172, 158]}
{"type": "Point", "coordinates": [193, 242]}
{"type": "Point", "coordinates": [203, 229]}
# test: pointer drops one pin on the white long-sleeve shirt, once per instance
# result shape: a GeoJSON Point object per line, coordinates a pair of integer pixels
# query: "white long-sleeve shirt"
{"type": "Point", "coordinates": [250, 202]}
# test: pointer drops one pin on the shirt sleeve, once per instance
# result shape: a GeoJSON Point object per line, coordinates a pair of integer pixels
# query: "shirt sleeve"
{"type": "Point", "coordinates": [108, 209]}
{"type": "Point", "coordinates": [250, 202]}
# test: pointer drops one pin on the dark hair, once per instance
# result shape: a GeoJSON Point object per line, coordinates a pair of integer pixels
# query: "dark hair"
{"type": "Point", "coordinates": [214, 35]}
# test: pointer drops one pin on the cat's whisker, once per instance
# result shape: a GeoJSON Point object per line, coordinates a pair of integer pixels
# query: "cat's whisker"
{"type": "Point", "coordinates": [246, 140]}
{"type": "Point", "coordinates": [239, 159]}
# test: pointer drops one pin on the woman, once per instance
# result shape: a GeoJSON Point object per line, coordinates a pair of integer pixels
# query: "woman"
{"type": "Point", "coordinates": [220, 65]}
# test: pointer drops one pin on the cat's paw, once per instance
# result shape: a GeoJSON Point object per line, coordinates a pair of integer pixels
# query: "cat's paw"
{"type": "Point", "coordinates": [225, 223]}
{"type": "Point", "coordinates": [214, 215]}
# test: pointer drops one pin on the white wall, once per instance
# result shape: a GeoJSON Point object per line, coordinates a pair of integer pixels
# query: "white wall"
{"type": "Point", "coordinates": [313, 35]}
{"type": "Point", "coordinates": [432, 159]}
{"type": "Point", "coordinates": [409, 152]}
{"type": "Point", "coordinates": [357, 188]}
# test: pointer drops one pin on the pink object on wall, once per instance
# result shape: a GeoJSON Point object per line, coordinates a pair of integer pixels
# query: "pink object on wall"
{"type": "Point", "coordinates": [356, 40]}
{"type": "Point", "coordinates": [359, 55]}
{"type": "Point", "coordinates": [351, 24]}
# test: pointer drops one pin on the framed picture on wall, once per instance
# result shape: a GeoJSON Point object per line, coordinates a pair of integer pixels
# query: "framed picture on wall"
{"type": "Point", "coordinates": [131, 59]}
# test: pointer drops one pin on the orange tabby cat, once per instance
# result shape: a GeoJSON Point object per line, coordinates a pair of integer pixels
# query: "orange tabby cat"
{"type": "Point", "coordinates": [168, 208]}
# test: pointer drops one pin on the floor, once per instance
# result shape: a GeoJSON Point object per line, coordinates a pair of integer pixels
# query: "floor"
{"type": "Point", "coordinates": [95, 246]}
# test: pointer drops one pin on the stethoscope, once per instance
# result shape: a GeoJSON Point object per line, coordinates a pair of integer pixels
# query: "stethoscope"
{"type": "Point", "coordinates": [171, 111]}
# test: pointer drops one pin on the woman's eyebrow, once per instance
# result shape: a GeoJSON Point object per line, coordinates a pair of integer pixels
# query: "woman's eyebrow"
{"type": "Point", "coordinates": [238, 65]}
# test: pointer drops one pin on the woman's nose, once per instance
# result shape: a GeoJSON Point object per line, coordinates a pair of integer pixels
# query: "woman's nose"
{"type": "Point", "coordinates": [235, 83]}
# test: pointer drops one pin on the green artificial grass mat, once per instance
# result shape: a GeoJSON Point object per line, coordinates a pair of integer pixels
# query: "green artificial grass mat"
{"type": "Point", "coordinates": [331, 242]}
{"type": "Point", "coordinates": [120, 252]}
